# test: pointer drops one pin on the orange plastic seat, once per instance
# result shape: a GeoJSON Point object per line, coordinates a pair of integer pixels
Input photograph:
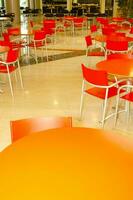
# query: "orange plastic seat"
{"type": "Point", "coordinates": [100, 88]}
{"type": "Point", "coordinates": [24, 127]}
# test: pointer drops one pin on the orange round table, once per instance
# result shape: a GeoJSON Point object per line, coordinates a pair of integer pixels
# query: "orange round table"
{"type": "Point", "coordinates": [122, 67]}
{"type": "Point", "coordinates": [69, 163]}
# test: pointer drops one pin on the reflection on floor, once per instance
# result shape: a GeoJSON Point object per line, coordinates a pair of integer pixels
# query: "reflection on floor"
{"type": "Point", "coordinates": [53, 89]}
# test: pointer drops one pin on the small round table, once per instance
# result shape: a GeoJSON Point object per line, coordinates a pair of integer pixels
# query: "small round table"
{"type": "Point", "coordinates": [68, 163]}
{"type": "Point", "coordinates": [121, 67]}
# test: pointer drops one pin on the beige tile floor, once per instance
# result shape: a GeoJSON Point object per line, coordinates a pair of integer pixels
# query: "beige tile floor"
{"type": "Point", "coordinates": [53, 89]}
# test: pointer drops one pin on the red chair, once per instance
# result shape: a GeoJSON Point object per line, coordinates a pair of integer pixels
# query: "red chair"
{"type": "Point", "coordinates": [49, 27]}
{"type": "Point", "coordinates": [108, 30]}
{"type": "Point", "coordinates": [127, 97]}
{"type": "Point", "coordinates": [93, 28]}
{"type": "Point", "coordinates": [24, 127]}
{"type": "Point", "coordinates": [14, 43]}
{"type": "Point", "coordinates": [68, 23]}
{"type": "Point", "coordinates": [119, 56]}
{"type": "Point", "coordinates": [100, 88]}
{"type": "Point", "coordinates": [131, 30]}
{"type": "Point", "coordinates": [78, 23]}
{"type": "Point", "coordinates": [126, 25]}
{"type": "Point", "coordinates": [118, 45]}
{"type": "Point", "coordinates": [90, 46]}
{"type": "Point", "coordinates": [39, 41]}
{"type": "Point", "coordinates": [10, 65]}
{"type": "Point", "coordinates": [102, 21]}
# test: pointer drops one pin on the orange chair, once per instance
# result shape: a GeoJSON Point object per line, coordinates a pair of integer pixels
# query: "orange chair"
{"type": "Point", "coordinates": [10, 65]}
{"type": "Point", "coordinates": [100, 88]}
{"type": "Point", "coordinates": [24, 127]}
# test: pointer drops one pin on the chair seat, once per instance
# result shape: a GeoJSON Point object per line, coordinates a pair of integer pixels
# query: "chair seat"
{"type": "Point", "coordinates": [119, 84]}
{"type": "Point", "coordinates": [3, 68]}
{"type": "Point", "coordinates": [100, 92]}
{"type": "Point", "coordinates": [78, 25]}
{"type": "Point", "coordinates": [16, 45]}
{"type": "Point", "coordinates": [128, 97]}
{"type": "Point", "coordinates": [119, 56]}
{"type": "Point", "coordinates": [37, 44]}
{"type": "Point", "coordinates": [98, 53]}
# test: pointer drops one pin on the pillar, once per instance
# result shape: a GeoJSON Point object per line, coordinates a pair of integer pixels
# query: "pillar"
{"type": "Point", "coordinates": [31, 4]}
{"type": "Point", "coordinates": [13, 6]}
{"type": "Point", "coordinates": [102, 6]}
{"type": "Point", "coordinates": [115, 8]}
{"type": "Point", "coordinates": [38, 4]}
{"type": "Point", "coordinates": [69, 5]}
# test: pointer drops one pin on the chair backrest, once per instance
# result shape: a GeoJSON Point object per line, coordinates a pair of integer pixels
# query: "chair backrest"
{"type": "Point", "coordinates": [49, 23]}
{"type": "Point", "coordinates": [119, 45]}
{"type": "Point", "coordinates": [77, 20]}
{"type": "Point", "coordinates": [39, 35]}
{"type": "Point", "coordinates": [107, 30]}
{"type": "Point", "coordinates": [13, 31]}
{"type": "Point", "coordinates": [12, 55]}
{"type": "Point", "coordinates": [95, 77]}
{"type": "Point", "coordinates": [93, 28]}
{"type": "Point", "coordinates": [88, 40]}
{"type": "Point", "coordinates": [102, 20]}
{"type": "Point", "coordinates": [131, 30]}
{"type": "Point", "coordinates": [6, 37]}
{"type": "Point", "coordinates": [24, 127]}
{"type": "Point", "coordinates": [31, 23]}
{"type": "Point", "coordinates": [126, 24]}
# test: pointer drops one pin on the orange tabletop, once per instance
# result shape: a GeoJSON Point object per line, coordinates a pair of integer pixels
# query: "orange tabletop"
{"type": "Point", "coordinates": [122, 67]}
{"type": "Point", "coordinates": [4, 49]}
{"type": "Point", "coordinates": [103, 38]}
{"type": "Point", "coordinates": [68, 164]}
